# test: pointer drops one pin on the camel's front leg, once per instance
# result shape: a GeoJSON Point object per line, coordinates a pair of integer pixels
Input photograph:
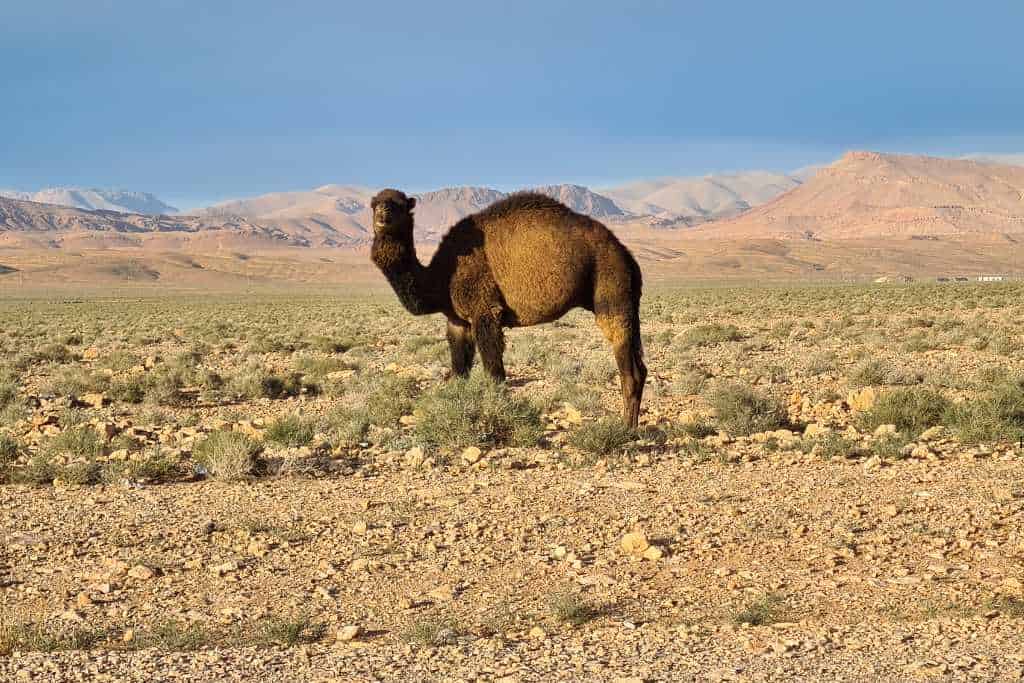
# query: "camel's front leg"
{"type": "Point", "coordinates": [490, 339]}
{"type": "Point", "coordinates": [462, 348]}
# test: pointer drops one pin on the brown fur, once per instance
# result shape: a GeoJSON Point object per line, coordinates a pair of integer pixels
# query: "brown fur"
{"type": "Point", "coordinates": [525, 260]}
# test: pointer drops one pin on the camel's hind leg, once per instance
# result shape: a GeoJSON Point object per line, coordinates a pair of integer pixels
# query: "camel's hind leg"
{"type": "Point", "coordinates": [462, 348]}
{"type": "Point", "coordinates": [623, 331]}
{"type": "Point", "coordinates": [490, 339]}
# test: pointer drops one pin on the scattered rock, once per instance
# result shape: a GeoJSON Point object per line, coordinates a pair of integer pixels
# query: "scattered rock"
{"type": "Point", "coordinates": [347, 633]}
{"type": "Point", "coordinates": [635, 543]}
{"type": "Point", "coordinates": [414, 457]}
{"type": "Point", "coordinates": [141, 572]}
{"type": "Point", "coordinates": [471, 455]}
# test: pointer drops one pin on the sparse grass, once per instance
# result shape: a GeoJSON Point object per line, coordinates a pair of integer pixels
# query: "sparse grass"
{"type": "Point", "coordinates": [890, 447]}
{"type": "Point", "coordinates": [128, 390]}
{"type": "Point", "coordinates": [154, 466]}
{"type": "Point", "coordinates": [289, 631]}
{"type": "Point", "coordinates": [911, 410]}
{"type": "Point", "coordinates": [8, 391]}
{"type": "Point", "coordinates": [995, 416]}
{"type": "Point", "coordinates": [74, 380]}
{"type": "Point", "coordinates": [740, 409]}
{"type": "Point", "coordinates": [870, 372]}
{"type": "Point", "coordinates": [476, 411]}
{"type": "Point", "coordinates": [291, 430]}
{"type": "Point", "coordinates": [37, 637]}
{"type": "Point", "coordinates": [80, 441]}
{"type": "Point", "coordinates": [1007, 605]}
{"type": "Point", "coordinates": [227, 455]}
{"type": "Point", "coordinates": [761, 612]}
{"type": "Point", "coordinates": [708, 335]}
{"type": "Point", "coordinates": [255, 381]}
{"type": "Point", "coordinates": [831, 445]}
{"type": "Point", "coordinates": [822, 362]}
{"type": "Point", "coordinates": [603, 437]}
{"type": "Point", "coordinates": [570, 608]}
{"type": "Point", "coordinates": [697, 429]}
{"type": "Point", "coordinates": [175, 636]}
{"type": "Point", "coordinates": [691, 382]}
{"type": "Point", "coordinates": [431, 632]}
{"type": "Point", "coordinates": [10, 448]}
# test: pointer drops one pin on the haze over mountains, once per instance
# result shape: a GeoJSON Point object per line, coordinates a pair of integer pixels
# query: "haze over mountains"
{"type": "Point", "coordinates": [865, 213]}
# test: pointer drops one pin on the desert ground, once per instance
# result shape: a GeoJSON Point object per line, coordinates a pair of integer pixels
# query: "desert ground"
{"type": "Point", "coordinates": [826, 485]}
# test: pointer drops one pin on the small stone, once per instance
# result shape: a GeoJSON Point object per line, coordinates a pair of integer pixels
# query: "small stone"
{"type": "Point", "coordinates": [359, 527]}
{"type": "Point", "coordinates": [91, 353]}
{"type": "Point", "coordinates": [258, 547]}
{"type": "Point", "coordinates": [128, 635]}
{"type": "Point", "coordinates": [920, 452]}
{"type": "Point", "coordinates": [815, 430]}
{"type": "Point", "coordinates": [635, 543]}
{"type": "Point", "coordinates": [471, 455]}
{"type": "Point", "coordinates": [359, 564]}
{"type": "Point", "coordinates": [890, 510]}
{"type": "Point", "coordinates": [223, 568]}
{"type": "Point", "coordinates": [347, 633]}
{"type": "Point", "coordinates": [414, 457]}
{"type": "Point", "coordinates": [653, 553]}
{"type": "Point", "coordinates": [538, 633]}
{"type": "Point", "coordinates": [94, 400]}
{"type": "Point", "coordinates": [885, 430]}
{"type": "Point", "coordinates": [83, 600]}
{"type": "Point", "coordinates": [141, 572]}
{"type": "Point", "coordinates": [933, 433]}
{"type": "Point", "coordinates": [442, 593]}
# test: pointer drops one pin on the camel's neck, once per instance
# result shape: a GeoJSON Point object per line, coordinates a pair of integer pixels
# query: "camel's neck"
{"type": "Point", "coordinates": [397, 260]}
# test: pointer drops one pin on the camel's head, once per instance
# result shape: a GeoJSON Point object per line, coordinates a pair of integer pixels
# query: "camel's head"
{"type": "Point", "coordinates": [392, 213]}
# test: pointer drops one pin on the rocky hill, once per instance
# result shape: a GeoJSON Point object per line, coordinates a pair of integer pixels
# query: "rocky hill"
{"type": "Point", "coordinates": [873, 195]}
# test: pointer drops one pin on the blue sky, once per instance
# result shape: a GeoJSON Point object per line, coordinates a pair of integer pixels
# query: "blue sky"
{"type": "Point", "coordinates": [198, 101]}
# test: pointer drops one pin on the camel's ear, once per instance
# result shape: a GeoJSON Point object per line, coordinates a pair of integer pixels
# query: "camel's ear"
{"type": "Point", "coordinates": [411, 204]}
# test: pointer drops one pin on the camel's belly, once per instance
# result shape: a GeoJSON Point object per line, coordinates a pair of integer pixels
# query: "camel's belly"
{"type": "Point", "coordinates": [541, 278]}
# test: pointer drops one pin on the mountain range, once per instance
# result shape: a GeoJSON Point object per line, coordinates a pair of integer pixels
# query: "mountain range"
{"type": "Point", "coordinates": [867, 212]}
{"type": "Point", "coordinates": [92, 199]}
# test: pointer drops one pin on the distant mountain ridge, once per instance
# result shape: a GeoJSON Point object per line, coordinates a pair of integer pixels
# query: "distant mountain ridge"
{"type": "Point", "coordinates": [872, 195]}
{"type": "Point", "coordinates": [862, 195]}
{"type": "Point", "coordinates": [91, 199]}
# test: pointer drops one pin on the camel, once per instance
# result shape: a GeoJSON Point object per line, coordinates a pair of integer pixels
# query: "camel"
{"type": "Point", "coordinates": [527, 259]}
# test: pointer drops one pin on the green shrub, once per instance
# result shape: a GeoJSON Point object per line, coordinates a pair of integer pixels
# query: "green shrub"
{"type": "Point", "coordinates": [996, 416]}
{"type": "Point", "coordinates": [911, 410]}
{"type": "Point", "coordinates": [709, 335]}
{"type": "Point", "coordinates": [290, 431]}
{"type": "Point", "coordinates": [255, 381]}
{"type": "Point", "coordinates": [76, 381]}
{"type": "Point", "coordinates": [10, 447]}
{"type": "Point", "coordinates": [464, 412]}
{"type": "Point", "coordinates": [80, 441]}
{"type": "Point", "coordinates": [608, 435]}
{"type": "Point", "coordinates": [8, 392]}
{"type": "Point", "coordinates": [227, 455]}
{"type": "Point", "coordinates": [740, 409]}
{"type": "Point", "coordinates": [870, 372]}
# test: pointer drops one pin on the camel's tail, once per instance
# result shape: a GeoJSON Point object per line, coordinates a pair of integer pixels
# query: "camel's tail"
{"type": "Point", "coordinates": [636, 287]}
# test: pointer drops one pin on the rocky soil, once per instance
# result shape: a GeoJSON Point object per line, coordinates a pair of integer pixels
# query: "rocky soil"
{"type": "Point", "coordinates": [818, 542]}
